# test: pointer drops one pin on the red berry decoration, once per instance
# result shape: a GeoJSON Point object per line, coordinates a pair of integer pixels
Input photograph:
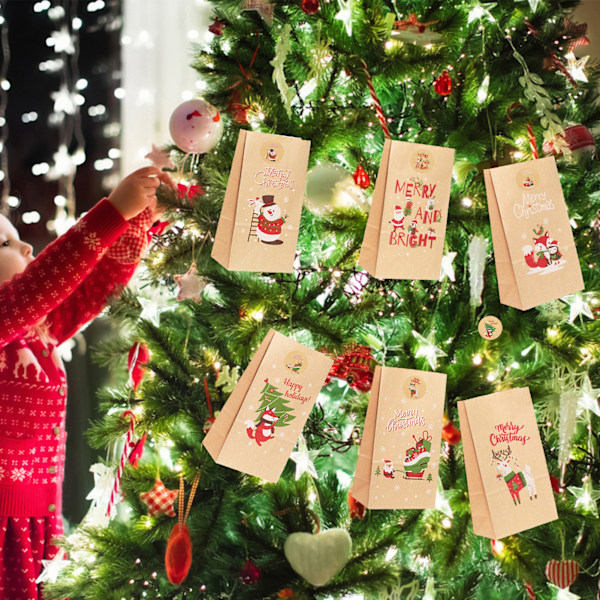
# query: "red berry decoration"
{"type": "Point", "coordinates": [443, 84]}
{"type": "Point", "coordinates": [310, 7]}
{"type": "Point", "coordinates": [250, 573]}
{"type": "Point", "coordinates": [357, 510]}
{"type": "Point", "coordinates": [450, 433]}
{"type": "Point", "coordinates": [361, 178]}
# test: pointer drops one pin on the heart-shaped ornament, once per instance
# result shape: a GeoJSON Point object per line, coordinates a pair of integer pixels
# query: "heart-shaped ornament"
{"type": "Point", "coordinates": [562, 573]}
{"type": "Point", "coordinates": [320, 556]}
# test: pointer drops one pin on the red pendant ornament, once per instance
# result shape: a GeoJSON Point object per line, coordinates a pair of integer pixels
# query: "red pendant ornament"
{"type": "Point", "coordinates": [562, 573]}
{"type": "Point", "coordinates": [450, 433]}
{"type": "Point", "coordinates": [361, 178]}
{"type": "Point", "coordinates": [356, 366]}
{"type": "Point", "coordinates": [238, 109]}
{"type": "Point", "coordinates": [138, 356]}
{"type": "Point", "coordinates": [357, 510]}
{"type": "Point", "coordinates": [556, 487]}
{"type": "Point", "coordinates": [178, 555]}
{"type": "Point", "coordinates": [310, 7]}
{"type": "Point", "coordinates": [250, 573]}
{"type": "Point", "coordinates": [443, 84]}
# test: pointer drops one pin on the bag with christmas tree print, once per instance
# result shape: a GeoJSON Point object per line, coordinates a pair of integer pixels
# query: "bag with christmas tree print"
{"type": "Point", "coordinates": [507, 476]}
{"type": "Point", "coordinates": [261, 421]}
{"type": "Point", "coordinates": [535, 254]}
{"type": "Point", "coordinates": [404, 237]}
{"type": "Point", "coordinates": [399, 452]}
{"type": "Point", "coordinates": [260, 218]}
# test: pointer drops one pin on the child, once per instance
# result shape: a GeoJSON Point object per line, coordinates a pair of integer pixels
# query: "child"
{"type": "Point", "coordinates": [43, 302]}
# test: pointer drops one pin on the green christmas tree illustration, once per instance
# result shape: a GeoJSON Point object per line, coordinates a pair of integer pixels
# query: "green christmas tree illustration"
{"type": "Point", "coordinates": [272, 398]}
{"type": "Point", "coordinates": [377, 471]}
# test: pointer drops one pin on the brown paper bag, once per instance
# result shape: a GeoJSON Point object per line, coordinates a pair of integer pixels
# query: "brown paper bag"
{"type": "Point", "coordinates": [507, 476]}
{"type": "Point", "coordinates": [399, 452]}
{"type": "Point", "coordinates": [536, 258]}
{"type": "Point", "coordinates": [261, 421]}
{"type": "Point", "coordinates": [260, 219]}
{"type": "Point", "coordinates": [404, 237]}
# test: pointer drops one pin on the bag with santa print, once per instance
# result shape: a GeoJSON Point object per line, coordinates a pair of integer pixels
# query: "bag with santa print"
{"type": "Point", "coordinates": [535, 254]}
{"type": "Point", "coordinates": [404, 237]}
{"type": "Point", "coordinates": [260, 218]}
{"type": "Point", "coordinates": [263, 417]}
{"type": "Point", "coordinates": [507, 476]}
{"type": "Point", "coordinates": [399, 454]}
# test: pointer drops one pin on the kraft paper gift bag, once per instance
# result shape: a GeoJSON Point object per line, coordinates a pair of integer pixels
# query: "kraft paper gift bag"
{"type": "Point", "coordinates": [260, 218]}
{"type": "Point", "coordinates": [399, 454]}
{"type": "Point", "coordinates": [404, 237]}
{"type": "Point", "coordinates": [261, 421]}
{"type": "Point", "coordinates": [536, 258]}
{"type": "Point", "coordinates": [507, 475]}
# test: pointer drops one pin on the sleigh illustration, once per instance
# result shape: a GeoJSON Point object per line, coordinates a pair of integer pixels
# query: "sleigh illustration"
{"type": "Point", "coordinates": [418, 457]}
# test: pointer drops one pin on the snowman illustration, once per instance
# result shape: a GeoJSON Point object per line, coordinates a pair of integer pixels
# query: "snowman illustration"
{"type": "Point", "coordinates": [398, 220]}
{"type": "Point", "coordinates": [269, 221]}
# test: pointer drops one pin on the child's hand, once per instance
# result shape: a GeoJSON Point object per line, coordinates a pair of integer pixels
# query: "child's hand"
{"type": "Point", "coordinates": [136, 191]}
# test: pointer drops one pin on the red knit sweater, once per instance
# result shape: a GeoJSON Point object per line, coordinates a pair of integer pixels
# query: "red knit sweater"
{"type": "Point", "coordinates": [68, 284]}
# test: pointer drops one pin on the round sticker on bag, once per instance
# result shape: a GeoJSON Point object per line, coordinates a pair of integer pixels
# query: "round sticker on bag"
{"type": "Point", "coordinates": [490, 327]}
{"type": "Point", "coordinates": [421, 161]}
{"type": "Point", "coordinates": [272, 152]}
{"type": "Point", "coordinates": [295, 361]}
{"type": "Point", "coordinates": [414, 387]}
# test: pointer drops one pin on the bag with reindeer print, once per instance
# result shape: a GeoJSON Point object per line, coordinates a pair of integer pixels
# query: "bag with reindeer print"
{"type": "Point", "coordinates": [260, 218]}
{"type": "Point", "coordinates": [535, 254]}
{"type": "Point", "coordinates": [507, 476]}
{"type": "Point", "coordinates": [263, 417]}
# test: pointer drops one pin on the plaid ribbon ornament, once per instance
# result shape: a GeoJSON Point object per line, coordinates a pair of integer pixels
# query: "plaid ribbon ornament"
{"type": "Point", "coordinates": [159, 500]}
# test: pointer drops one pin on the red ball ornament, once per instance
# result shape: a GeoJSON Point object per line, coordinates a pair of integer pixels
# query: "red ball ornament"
{"type": "Point", "coordinates": [450, 433]}
{"type": "Point", "coordinates": [250, 573]}
{"type": "Point", "coordinates": [310, 7]}
{"type": "Point", "coordinates": [138, 356]}
{"type": "Point", "coordinates": [357, 510]}
{"type": "Point", "coordinates": [361, 178]}
{"type": "Point", "coordinates": [443, 84]}
{"type": "Point", "coordinates": [178, 556]}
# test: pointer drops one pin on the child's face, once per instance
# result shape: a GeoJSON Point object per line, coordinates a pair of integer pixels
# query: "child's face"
{"type": "Point", "coordinates": [15, 255]}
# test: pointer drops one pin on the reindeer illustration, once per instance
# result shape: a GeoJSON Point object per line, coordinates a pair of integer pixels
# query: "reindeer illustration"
{"type": "Point", "coordinates": [515, 480]}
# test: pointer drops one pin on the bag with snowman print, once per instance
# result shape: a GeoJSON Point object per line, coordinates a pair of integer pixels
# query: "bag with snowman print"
{"type": "Point", "coordinates": [260, 219]}
{"type": "Point", "coordinates": [535, 254]}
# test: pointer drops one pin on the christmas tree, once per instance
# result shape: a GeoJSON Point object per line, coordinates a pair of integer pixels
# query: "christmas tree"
{"type": "Point", "coordinates": [272, 399]}
{"type": "Point", "coordinates": [499, 83]}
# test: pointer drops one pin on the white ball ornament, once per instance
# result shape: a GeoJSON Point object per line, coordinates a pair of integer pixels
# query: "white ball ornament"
{"type": "Point", "coordinates": [196, 126]}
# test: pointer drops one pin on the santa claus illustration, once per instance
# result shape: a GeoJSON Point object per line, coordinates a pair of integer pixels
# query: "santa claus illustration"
{"type": "Point", "coordinates": [265, 430]}
{"type": "Point", "coordinates": [398, 220]}
{"type": "Point", "coordinates": [388, 469]}
{"type": "Point", "coordinates": [269, 221]}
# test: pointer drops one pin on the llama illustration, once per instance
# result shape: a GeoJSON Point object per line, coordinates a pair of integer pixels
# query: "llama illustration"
{"type": "Point", "coordinates": [515, 480]}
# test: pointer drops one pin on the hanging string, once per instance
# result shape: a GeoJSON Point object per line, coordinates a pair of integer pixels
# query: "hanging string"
{"type": "Point", "coordinates": [378, 108]}
{"type": "Point", "coordinates": [182, 518]}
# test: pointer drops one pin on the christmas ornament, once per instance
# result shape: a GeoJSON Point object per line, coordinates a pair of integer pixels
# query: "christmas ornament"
{"type": "Point", "coordinates": [190, 285]}
{"type": "Point", "coordinates": [178, 555]}
{"type": "Point", "coordinates": [124, 455]}
{"type": "Point", "coordinates": [361, 178]}
{"type": "Point", "coordinates": [51, 568]}
{"type": "Point", "coordinates": [588, 397]}
{"type": "Point", "coordinates": [282, 49]}
{"type": "Point", "coordinates": [189, 192]}
{"type": "Point", "coordinates": [579, 304]}
{"type": "Point", "coordinates": [160, 158]}
{"type": "Point", "coordinates": [287, 593]}
{"type": "Point", "coordinates": [415, 32]}
{"type": "Point", "coordinates": [310, 7]}
{"type": "Point", "coordinates": [320, 556]}
{"type": "Point", "coordinates": [562, 573]}
{"type": "Point", "coordinates": [427, 349]}
{"type": "Point", "coordinates": [575, 34]}
{"type": "Point", "coordinates": [556, 487]}
{"type": "Point", "coordinates": [450, 433]}
{"type": "Point", "coordinates": [490, 327]}
{"type": "Point", "coordinates": [446, 269]}
{"type": "Point", "coordinates": [237, 109]}
{"type": "Point", "coordinates": [530, 591]}
{"type": "Point", "coordinates": [138, 356]}
{"type": "Point", "coordinates": [578, 140]}
{"type": "Point", "coordinates": [376, 102]}
{"type": "Point", "coordinates": [345, 14]}
{"type": "Point", "coordinates": [566, 425]}
{"type": "Point", "coordinates": [211, 416]}
{"type": "Point", "coordinates": [303, 457]}
{"type": "Point", "coordinates": [356, 366]}
{"type": "Point", "coordinates": [227, 378]}
{"type": "Point", "coordinates": [196, 126]}
{"type": "Point", "coordinates": [443, 84]}
{"type": "Point", "coordinates": [159, 500]}
{"type": "Point", "coordinates": [263, 7]}
{"type": "Point", "coordinates": [100, 496]}
{"type": "Point", "coordinates": [157, 229]}
{"type": "Point", "coordinates": [575, 66]}
{"type": "Point", "coordinates": [586, 496]}
{"type": "Point", "coordinates": [217, 27]}
{"type": "Point", "coordinates": [357, 509]}
{"type": "Point", "coordinates": [250, 573]}
{"type": "Point", "coordinates": [323, 182]}
{"type": "Point", "coordinates": [477, 256]}
{"type": "Point", "coordinates": [138, 451]}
